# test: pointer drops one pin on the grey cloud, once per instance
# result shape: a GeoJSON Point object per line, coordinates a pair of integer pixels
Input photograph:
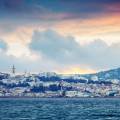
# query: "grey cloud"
{"type": "Point", "coordinates": [60, 52]}
{"type": "Point", "coordinates": [65, 50]}
{"type": "Point", "coordinates": [22, 65]}
{"type": "Point", "coordinates": [55, 46]}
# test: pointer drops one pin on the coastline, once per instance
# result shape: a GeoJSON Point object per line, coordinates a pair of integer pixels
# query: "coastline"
{"type": "Point", "coordinates": [17, 97]}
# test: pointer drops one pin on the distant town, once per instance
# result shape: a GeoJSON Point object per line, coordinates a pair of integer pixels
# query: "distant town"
{"type": "Point", "coordinates": [50, 84]}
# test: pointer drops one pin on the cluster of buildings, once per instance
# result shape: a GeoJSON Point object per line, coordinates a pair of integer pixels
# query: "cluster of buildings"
{"type": "Point", "coordinates": [54, 85]}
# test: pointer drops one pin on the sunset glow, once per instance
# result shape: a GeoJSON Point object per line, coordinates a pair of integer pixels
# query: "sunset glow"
{"type": "Point", "coordinates": [62, 36]}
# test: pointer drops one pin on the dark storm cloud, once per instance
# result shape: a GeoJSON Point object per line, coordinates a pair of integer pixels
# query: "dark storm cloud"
{"type": "Point", "coordinates": [42, 9]}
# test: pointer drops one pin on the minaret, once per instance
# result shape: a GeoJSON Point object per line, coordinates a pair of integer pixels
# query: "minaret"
{"type": "Point", "coordinates": [13, 70]}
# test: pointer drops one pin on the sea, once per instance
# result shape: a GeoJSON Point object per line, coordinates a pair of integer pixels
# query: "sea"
{"type": "Point", "coordinates": [59, 109]}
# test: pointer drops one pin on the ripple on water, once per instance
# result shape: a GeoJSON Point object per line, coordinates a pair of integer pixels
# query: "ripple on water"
{"type": "Point", "coordinates": [60, 109]}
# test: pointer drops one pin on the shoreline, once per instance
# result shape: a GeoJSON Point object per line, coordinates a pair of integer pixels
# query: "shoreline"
{"type": "Point", "coordinates": [17, 97]}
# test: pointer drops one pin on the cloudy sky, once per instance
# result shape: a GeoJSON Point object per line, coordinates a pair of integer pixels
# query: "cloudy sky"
{"type": "Point", "coordinates": [64, 36]}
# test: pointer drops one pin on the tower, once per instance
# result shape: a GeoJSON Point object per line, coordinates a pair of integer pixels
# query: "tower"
{"type": "Point", "coordinates": [13, 70]}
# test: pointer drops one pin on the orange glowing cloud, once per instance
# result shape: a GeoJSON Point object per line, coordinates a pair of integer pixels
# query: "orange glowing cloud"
{"type": "Point", "coordinates": [99, 27]}
{"type": "Point", "coordinates": [76, 70]}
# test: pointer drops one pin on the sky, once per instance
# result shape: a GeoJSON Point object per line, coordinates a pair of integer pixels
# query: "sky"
{"type": "Point", "coordinates": [63, 36]}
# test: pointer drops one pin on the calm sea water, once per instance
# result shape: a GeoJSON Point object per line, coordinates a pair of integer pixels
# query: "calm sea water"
{"type": "Point", "coordinates": [60, 109]}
